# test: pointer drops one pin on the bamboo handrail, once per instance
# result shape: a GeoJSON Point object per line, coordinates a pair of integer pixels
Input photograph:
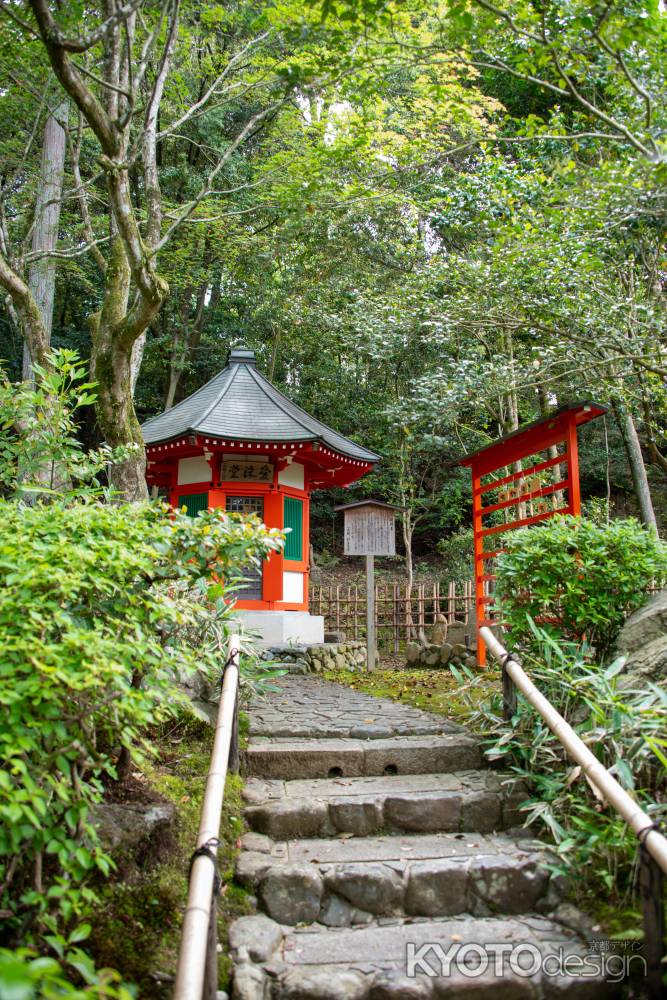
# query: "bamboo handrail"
{"type": "Point", "coordinates": [652, 866]}
{"type": "Point", "coordinates": [623, 803]}
{"type": "Point", "coordinates": [197, 957]}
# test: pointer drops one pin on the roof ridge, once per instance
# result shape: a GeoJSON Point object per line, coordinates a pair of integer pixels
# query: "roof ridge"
{"type": "Point", "coordinates": [259, 379]}
{"type": "Point", "coordinates": [180, 402]}
{"type": "Point", "coordinates": [262, 379]}
{"type": "Point", "coordinates": [218, 398]}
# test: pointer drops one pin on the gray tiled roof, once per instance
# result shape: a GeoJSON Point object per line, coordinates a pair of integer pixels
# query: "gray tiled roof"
{"type": "Point", "coordinates": [239, 404]}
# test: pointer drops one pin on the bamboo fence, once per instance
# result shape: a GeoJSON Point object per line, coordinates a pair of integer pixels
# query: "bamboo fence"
{"type": "Point", "coordinates": [398, 614]}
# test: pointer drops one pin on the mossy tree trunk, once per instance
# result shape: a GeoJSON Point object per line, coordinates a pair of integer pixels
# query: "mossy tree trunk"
{"type": "Point", "coordinates": [133, 290]}
{"type": "Point", "coordinates": [111, 368]}
{"type": "Point", "coordinates": [130, 47]}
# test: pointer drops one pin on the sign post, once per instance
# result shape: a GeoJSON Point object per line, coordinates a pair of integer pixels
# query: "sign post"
{"type": "Point", "coordinates": [370, 611]}
{"type": "Point", "coordinates": [370, 531]}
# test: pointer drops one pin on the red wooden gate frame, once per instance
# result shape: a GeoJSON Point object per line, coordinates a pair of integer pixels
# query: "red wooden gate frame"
{"type": "Point", "coordinates": [560, 428]}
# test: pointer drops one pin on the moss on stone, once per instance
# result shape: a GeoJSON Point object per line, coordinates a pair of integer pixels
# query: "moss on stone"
{"type": "Point", "coordinates": [136, 926]}
{"type": "Point", "coordinates": [437, 691]}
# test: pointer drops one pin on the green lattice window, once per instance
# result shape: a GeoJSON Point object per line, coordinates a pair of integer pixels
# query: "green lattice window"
{"type": "Point", "coordinates": [294, 520]}
{"type": "Point", "coordinates": [193, 502]}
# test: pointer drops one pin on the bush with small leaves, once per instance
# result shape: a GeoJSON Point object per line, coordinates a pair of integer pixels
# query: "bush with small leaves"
{"type": "Point", "coordinates": [577, 578]}
{"type": "Point", "coordinates": [100, 609]}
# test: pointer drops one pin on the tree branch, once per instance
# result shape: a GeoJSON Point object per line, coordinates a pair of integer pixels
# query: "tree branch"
{"type": "Point", "coordinates": [28, 311]}
{"type": "Point", "coordinates": [149, 138]}
{"type": "Point", "coordinates": [224, 159]}
{"type": "Point", "coordinates": [70, 80]}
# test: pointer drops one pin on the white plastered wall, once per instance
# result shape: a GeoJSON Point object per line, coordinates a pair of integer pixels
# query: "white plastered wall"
{"type": "Point", "coordinates": [193, 470]}
{"type": "Point", "coordinates": [292, 475]}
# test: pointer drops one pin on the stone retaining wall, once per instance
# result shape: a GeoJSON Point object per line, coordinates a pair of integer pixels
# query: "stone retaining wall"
{"type": "Point", "coordinates": [316, 658]}
{"type": "Point", "coordinates": [436, 655]}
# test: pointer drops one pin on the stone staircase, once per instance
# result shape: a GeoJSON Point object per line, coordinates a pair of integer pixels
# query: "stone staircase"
{"type": "Point", "coordinates": [389, 864]}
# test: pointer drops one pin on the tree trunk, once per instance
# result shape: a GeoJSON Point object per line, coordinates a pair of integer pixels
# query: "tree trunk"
{"type": "Point", "coordinates": [274, 353]}
{"type": "Point", "coordinates": [136, 358]}
{"type": "Point", "coordinates": [637, 467]}
{"type": "Point", "coordinates": [552, 450]}
{"type": "Point", "coordinates": [42, 274]}
{"type": "Point", "coordinates": [111, 368]}
{"type": "Point", "coordinates": [408, 531]}
{"type": "Point", "coordinates": [512, 418]}
{"type": "Point", "coordinates": [187, 337]}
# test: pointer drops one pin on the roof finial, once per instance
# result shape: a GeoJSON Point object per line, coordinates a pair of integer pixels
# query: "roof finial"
{"type": "Point", "coordinates": [240, 355]}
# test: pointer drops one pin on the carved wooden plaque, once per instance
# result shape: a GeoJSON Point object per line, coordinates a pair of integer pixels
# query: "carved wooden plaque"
{"type": "Point", "coordinates": [245, 471]}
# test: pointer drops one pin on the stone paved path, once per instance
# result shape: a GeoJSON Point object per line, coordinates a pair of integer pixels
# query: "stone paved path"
{"type": "Point", "coordinates": [377, 830]}
{"type": "Point", "coordinates": [310, 707]}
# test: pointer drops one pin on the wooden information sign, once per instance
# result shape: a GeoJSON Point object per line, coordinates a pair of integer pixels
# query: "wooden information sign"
{"type": "Point", "coordinates": [370, 530]}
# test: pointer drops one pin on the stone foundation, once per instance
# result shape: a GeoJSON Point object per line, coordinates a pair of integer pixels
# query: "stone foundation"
{"type": "Point", "coordinates": [280, 628]}
{"type": "Point", "coordinates": [318, 657]}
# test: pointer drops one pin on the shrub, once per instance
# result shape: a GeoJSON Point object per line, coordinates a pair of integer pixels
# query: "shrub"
{"type": "Point", "coordinates": [102, 607]}
{"type": "Point", "coordinates": [577, 578]}
{"type": "Point", "coordinates": [97, 617]}
{"type": "Point", "coordinates": [622, 726]}
{"type": "Point", "coordinates": [25, 975]}
{"type": "Point", "coordinates": [39, 449]}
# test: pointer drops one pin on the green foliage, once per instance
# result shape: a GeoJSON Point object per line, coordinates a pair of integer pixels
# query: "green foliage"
{"type": "Point", "coordinates": [578, 578]}
{"type": "Point", "coordinates": [102, 607]}
{"type": "Point", "coordinates": [138, 919]}
{"type": "Point", "coordinates": [456, 553]}
{"type": "Point", "coordinates": [40, 451]}
{"type": "Point", "coordinates": [24, 975]}
{"type": "Point", "coordinates": [620, 725]}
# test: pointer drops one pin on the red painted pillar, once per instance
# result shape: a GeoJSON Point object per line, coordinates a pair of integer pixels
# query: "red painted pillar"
{"type": "Point", "coordinates": [572, 452]}
{"type": "Point", "coordinates": [273, 566]}
{"type": "Point", "coordinates": [478, 563]}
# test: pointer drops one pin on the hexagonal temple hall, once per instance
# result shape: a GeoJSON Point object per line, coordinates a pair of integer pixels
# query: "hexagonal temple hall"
{"type": "Point", "coordinates": [239, 443]}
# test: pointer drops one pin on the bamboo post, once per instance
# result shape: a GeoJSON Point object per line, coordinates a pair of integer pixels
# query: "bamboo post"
{"type": "Point", "coordinates": [652, 844]}
{"type": "Point", "coordinates": [356, 612]}
{"type": "Point", "coordinates": [407, 613]}
{"type": "Point", "coordinates": [451, 602]}
{"type": "Point", "coordinates": [211, 973]}
{"type": "Point", "coordinates": [370, 612]}
{"type": "Point", "coordinates": [338, 607]}
{"type": "Point", "coordinates": [651, 884]}
{"type": "Point", "coordinates": [395, 616]}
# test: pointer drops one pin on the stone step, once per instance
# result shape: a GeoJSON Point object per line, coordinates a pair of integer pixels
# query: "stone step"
{"type": "Point", "coordinates": [475, 801]}
{"type": "Point", "coordinates": [343, 882]}
{"type": "Point", "coordinates": [348, 758]}
{"type": "Point", "coordinates": [527, 958]}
